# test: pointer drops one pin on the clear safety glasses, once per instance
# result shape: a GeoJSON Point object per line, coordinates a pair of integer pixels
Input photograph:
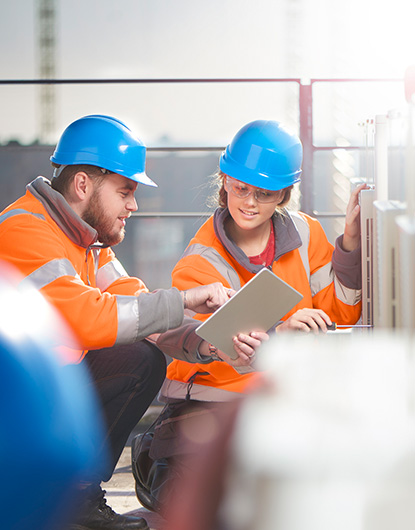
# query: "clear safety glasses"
{"type": "Point", "coordinates": [242, 190]}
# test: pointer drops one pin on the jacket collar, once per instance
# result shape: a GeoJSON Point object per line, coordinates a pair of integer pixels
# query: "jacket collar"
{"type": "Point", "coordinates": [287, 237]}
{"type": "Point", "coordinates": [79, 232]}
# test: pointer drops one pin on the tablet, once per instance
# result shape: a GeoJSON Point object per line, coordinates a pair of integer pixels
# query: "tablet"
{"type": "Point", "coordinates": [257, 306]}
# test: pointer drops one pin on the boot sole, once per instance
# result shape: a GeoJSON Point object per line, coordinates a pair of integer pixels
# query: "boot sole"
{"type": "Point", "coordinates": [82, 527]}
{"type": "Point", "coordinates": [78, 527]}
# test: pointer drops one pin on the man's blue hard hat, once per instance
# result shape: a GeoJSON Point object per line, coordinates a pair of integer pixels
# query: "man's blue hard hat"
{"type": "Point", "coordinates": [264, 154]}
{"type": "Point", "coordinates": [106, 142]}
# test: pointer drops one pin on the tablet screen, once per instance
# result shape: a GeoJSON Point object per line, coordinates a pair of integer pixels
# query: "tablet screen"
{"type": "Point", "coordinates": [257, 306]}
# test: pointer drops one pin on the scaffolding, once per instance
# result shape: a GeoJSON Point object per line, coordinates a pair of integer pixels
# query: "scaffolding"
{"type": "Point", "coordinates": [46, 63]}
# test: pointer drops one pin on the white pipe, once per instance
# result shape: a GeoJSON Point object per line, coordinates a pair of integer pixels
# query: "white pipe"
{"type": "Point", "coordinates": [381, 158]}
{"type": "Point", "coordinates": [410, 154]}
{"type": "Point", "coordinates": [410, 165]}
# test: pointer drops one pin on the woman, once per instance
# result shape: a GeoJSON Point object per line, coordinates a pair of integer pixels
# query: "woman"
{"type": "Point", "coordinates": [252, 229]}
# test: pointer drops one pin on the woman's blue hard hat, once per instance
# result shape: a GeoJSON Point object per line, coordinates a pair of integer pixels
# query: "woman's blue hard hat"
{"type": "Point", "coordinates": [264, 154]}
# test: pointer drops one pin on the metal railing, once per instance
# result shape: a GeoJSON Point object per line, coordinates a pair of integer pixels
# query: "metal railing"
{"type": "Point", "coordinates": [305, 110]}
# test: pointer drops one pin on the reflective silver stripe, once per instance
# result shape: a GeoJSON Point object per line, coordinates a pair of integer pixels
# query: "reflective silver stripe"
{"type": "Point", "coordinates": [324, 277]}
{"type": "Point", "coordinates": [178, 390]}
{"type": "Point", "coordinates": [20, 211]}
{"type": "Point", "coordinates": [127, 307]}
{"type": "Point", "coordinates": [95, 253]}
{"type": "Point", "coordinates": [304, 231]}
{"type": "Point", "coordinates": [49, 272]}
{"type": "Point", "coordinates": [321, 278]}
{"type": "Point", "coordinates": [215, 259]}
{"type": "Point", "coordinates": [109, 273]}
{"type": "Point", "coordinates": [347, 295]}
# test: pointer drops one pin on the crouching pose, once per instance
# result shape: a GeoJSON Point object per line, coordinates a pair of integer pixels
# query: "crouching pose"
{"type": "Point", "coordinates": [59, 235]}
{"type": "Point", "coordinates": [253, 228]}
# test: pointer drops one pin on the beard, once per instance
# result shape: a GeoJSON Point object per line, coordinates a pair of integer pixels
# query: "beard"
{"type": "Point", "coordinates": [96, 217]}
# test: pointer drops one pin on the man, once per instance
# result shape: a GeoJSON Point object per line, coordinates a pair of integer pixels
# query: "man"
{"type": "Point", "coordinates": [59, 235]}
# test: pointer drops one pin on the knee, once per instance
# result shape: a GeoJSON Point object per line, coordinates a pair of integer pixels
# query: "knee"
{"type": "Point", "coordinates": [155, 362]}
{"type": "Point", "coordinates": [159, 365]}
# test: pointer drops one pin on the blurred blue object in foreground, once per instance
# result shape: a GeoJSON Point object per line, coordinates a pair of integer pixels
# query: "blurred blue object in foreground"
{"type": "Point", "coordinates": [49, 419]}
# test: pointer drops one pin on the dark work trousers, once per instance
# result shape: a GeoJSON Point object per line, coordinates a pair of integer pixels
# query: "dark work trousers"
{"type": "Point", "coordinates": [127, 379]}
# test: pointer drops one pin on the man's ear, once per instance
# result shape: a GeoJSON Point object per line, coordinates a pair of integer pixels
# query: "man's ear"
{"type": "Point", "coordinates": [82, 186]}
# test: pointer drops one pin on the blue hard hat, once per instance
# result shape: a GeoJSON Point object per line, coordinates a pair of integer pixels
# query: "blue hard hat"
{"type": "Point", "coordinates": [105, 142]}
{"type": "Point", "coordinates": [264, 154]}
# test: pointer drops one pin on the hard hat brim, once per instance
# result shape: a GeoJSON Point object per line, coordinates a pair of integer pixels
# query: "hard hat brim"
{"type": "Point", "coordinates": [142, 178]}
{"type": "Point", "coordinates": [254, 178]}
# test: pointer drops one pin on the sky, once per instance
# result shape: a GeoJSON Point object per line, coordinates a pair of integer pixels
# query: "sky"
{"type": "Point", "coordinates": [197, 39]}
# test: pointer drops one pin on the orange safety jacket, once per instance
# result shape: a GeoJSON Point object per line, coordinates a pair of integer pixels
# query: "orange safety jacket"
{"type": "Point", "coordinates": [328, 278]}
{"type": "Point", "coordinates": [58, 253]}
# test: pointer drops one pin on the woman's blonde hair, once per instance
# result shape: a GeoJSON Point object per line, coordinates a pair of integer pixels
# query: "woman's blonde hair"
{"type": "Point", "coordinates": [220, 197]}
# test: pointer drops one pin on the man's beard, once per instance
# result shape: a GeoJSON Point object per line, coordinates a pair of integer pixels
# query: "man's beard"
{"type": "Point", "coordinates": [96, 217]}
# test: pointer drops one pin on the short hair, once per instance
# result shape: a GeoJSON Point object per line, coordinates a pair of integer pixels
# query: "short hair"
{"type": "Point", "coordinates": [62, 182]}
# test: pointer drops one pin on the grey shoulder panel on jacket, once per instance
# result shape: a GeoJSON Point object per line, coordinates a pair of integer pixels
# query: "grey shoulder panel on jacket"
{"type": "Point", "coordinates": [217, 261]}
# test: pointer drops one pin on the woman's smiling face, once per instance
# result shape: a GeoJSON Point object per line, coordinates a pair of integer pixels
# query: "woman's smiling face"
{"type": "Point", "coordinates": [247, 212]}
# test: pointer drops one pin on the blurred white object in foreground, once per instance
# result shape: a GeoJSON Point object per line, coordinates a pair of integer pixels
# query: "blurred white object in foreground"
{"type": "Point", "coordinates": [331, 443]}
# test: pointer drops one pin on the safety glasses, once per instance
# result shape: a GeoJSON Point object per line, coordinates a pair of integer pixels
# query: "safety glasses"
{"type": "Point", "coordinates": [242, 191]}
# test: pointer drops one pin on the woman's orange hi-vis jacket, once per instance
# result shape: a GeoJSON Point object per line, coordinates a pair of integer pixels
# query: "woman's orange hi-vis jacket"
{"type": "Point", "coordinates": [327, 277]}
{"type": "Point", "coordinates": [58, 253]}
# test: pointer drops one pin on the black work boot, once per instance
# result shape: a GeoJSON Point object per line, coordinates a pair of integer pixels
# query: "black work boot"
{"type": "Point", "coordinates": [97, 515]}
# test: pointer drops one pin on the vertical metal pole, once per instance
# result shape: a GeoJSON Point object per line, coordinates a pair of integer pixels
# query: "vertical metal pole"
{"type": "Point", "coordinates": [306, 136]}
